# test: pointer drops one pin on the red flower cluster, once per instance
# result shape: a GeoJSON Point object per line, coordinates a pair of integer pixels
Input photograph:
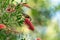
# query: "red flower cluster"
{"type": "Point", "coordinates": [2, 26]}
{"type": "Point", "coordinates": [28, 22]}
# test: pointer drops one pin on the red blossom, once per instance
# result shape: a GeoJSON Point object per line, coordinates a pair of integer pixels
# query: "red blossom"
{"type": "Point", "coordinates": [2, 26]}
{"type": "Point", "coordinates": [29, 23]}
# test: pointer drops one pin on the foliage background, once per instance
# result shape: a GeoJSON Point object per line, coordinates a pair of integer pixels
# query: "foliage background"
{"type": "Point", "coordinates": [45, 15]}
{"type": "Point", "coordinates": [46, 18]}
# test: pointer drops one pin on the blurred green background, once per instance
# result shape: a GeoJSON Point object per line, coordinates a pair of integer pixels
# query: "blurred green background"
{"type": "Point", "coordinates": [45, 16]}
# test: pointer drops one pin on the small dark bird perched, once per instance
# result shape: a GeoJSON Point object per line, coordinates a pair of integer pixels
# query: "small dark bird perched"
{"type": "Point", "coordinates": [26, 16]}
